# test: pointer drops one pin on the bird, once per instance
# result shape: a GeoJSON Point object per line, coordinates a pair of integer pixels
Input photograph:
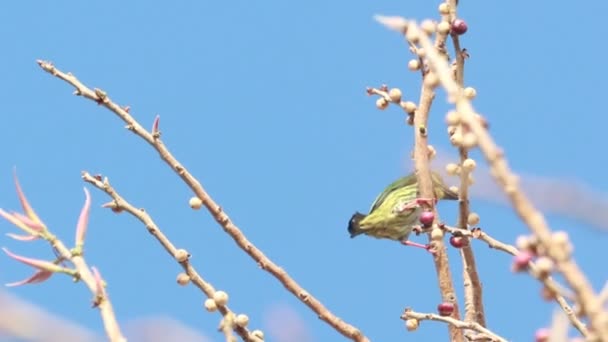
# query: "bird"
{"type": "Point", "coordinates": [396, 211]}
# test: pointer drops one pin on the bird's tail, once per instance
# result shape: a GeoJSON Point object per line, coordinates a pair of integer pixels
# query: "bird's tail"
{"type": "Point", "coordinates": [447, 193]}
{"type": "Point", "coordinates": [353, 225]}
{"type": "Point", "coordinates": [442, 191]}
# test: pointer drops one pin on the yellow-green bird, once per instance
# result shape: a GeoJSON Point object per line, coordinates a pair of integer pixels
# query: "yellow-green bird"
{"type": "Point", "coordinates": [396, 211]}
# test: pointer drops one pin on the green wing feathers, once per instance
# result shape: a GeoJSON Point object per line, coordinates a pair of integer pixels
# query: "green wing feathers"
{"type": "Point", "coordinates": [440, 188]}
{"type": "Point", "coordinates": [399, 183]}
{"type": "Point", "coordinates": [383, 221]}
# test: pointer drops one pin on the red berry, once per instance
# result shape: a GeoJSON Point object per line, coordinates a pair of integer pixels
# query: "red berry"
{"type": "Point", "coordinates": [459, 26]}
{"type": "Point", "coordinates": [445, 309]}
{"type": "Point", "coordinates": [427, 218]}
{"type": "Point", "coordinates": [459, 241]}
{"type": "Point", "coordinates": [521, 260]}
{"type": "Point", "coordinates": [542, 335]}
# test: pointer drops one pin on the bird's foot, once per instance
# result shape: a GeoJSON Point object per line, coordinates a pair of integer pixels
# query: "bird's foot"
{"type": "Point", "coordinates": [419, 245]}
{"type": "Point", "coordinates": [418, 229]}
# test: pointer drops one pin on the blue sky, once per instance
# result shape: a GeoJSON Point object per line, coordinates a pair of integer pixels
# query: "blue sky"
{"type": "Point", "coordinates": [265, 103]}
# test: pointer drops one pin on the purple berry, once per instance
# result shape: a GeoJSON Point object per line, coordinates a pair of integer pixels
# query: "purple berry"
{"type": "Point", "coordinates": [459, 26]}
{"type": "Point", "coordinates": [427, 218]}
{"type": "Point", "coordinates": [459, 241]}
{"type": "Point", "coordinates": [445, 309]}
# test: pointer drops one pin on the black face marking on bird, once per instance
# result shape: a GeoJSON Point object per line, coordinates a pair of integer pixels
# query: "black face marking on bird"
{"type": "Point", "coordinates": [353, 225]}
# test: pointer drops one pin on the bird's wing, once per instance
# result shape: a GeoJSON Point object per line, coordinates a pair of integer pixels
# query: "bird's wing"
{"type": "Point", "coordinates": [399, 183]}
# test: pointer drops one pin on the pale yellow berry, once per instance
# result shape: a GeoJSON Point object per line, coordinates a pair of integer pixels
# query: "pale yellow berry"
{"type": "Point", "coordinates": [456, 138]}
{"type": "Point", "coordinates": [436, 234]}
{"type": "Point", "coordinates": [183, 279]}
{"type": "Point", "coordinates": [413, 65]}
{"type": "Point", "coordinates": [381, 103]}
{"type": "Point", "coordinates": [453, 118]}
{"type": "Point", "coordinates": [411, 324]}
{"type": "Point", "coordinates": [444, 9]}
{"type": "Point", "coordinates": [421, 52]}
{"type": "Point", "coordinates": [470, 93]}
{"type": "Point", "coordinates": [563, 246]}
{"type": "Point", "coordinates": [432, 151]}
{"type": "Point", "coordinates": [452, 169]}
{"type": "Point", "coordinates": [469, 164]}
{"type": "Point", "coordinates": [428, 26]}
{"type": "Point", "coordinates": [523, 242]}
{"type": "Point", "coordinates": [444, 27]}
{"type": "Point", "coordinates": [242, 320]}
{"type": "Point", "coordinates": [409, 107]}
{"type": "Point", "coordinates": [431, 80]}
{"type": "Point", "coordinates": [259, 334]}
{"type": "Point", "coordinates": [182, 255]}
{"type": "Point", "coordinates": [220, 298]}
{"type": "Point", "coordinates": [195, 203]}
{"type": "Point", "coordinates": [473, 219]}
{"type": "Point", "coordinates": [544, 265]}
{"type": "Point", "coordinates": [454, 188]}
{"type": "Point", "coordinates": [395, 94]}
{"type": "Point", "coordinates": [412, 36]}
{"type": "Point", "coordinates": [469, 140]}
{"type": "Point", "coordinates": [210, 305]}
{"type": "Point", "coordinates": [560, 237]}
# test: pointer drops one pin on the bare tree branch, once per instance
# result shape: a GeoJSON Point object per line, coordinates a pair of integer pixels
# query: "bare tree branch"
{"type": "Point", "coordinates": [556, 250]}
{"type": "Point", "coordinates": [100, 97]}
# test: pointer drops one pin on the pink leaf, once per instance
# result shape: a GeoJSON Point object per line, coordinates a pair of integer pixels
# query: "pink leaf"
{"type": "Point", "coordinates": [83, 220]}
{"type": "Point", "coordinates": [27, 208]}
{"type": "Point", "coordinates": [24, 238]}
{"type": "Point", "coordinates": [36, 263]}
{"type": "Point", "coordinates": [38, 277]}
{"type": "Point", "coordinates": [37, 226]}
{"type": "Point", "coordinates": [155, 124]}
{"type": "Point", "coordinates": [14, 220]}
{"type": "Point", "coordinates": [100, 291]}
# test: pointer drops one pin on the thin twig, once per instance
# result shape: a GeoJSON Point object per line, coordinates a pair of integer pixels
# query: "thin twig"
{"type": "Point", "coordinates": [473, 291]}
{"type": "Point", "coordinates": [120, 204]}
{"type": "Point", "coordinates": [214, 209]}
{"type": "Point", "coordinates": [423, 173]}
{"type": "Point", "coordinates": [558, 290]}
{"type": "Point", "coordinates": [226, 326]}
{"type": "Point", "coordinates": [456, 323]}
{"type": "Point", "coordinates": [586, 297]}
{"type": "Point", "coordinates": [102, 302]}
